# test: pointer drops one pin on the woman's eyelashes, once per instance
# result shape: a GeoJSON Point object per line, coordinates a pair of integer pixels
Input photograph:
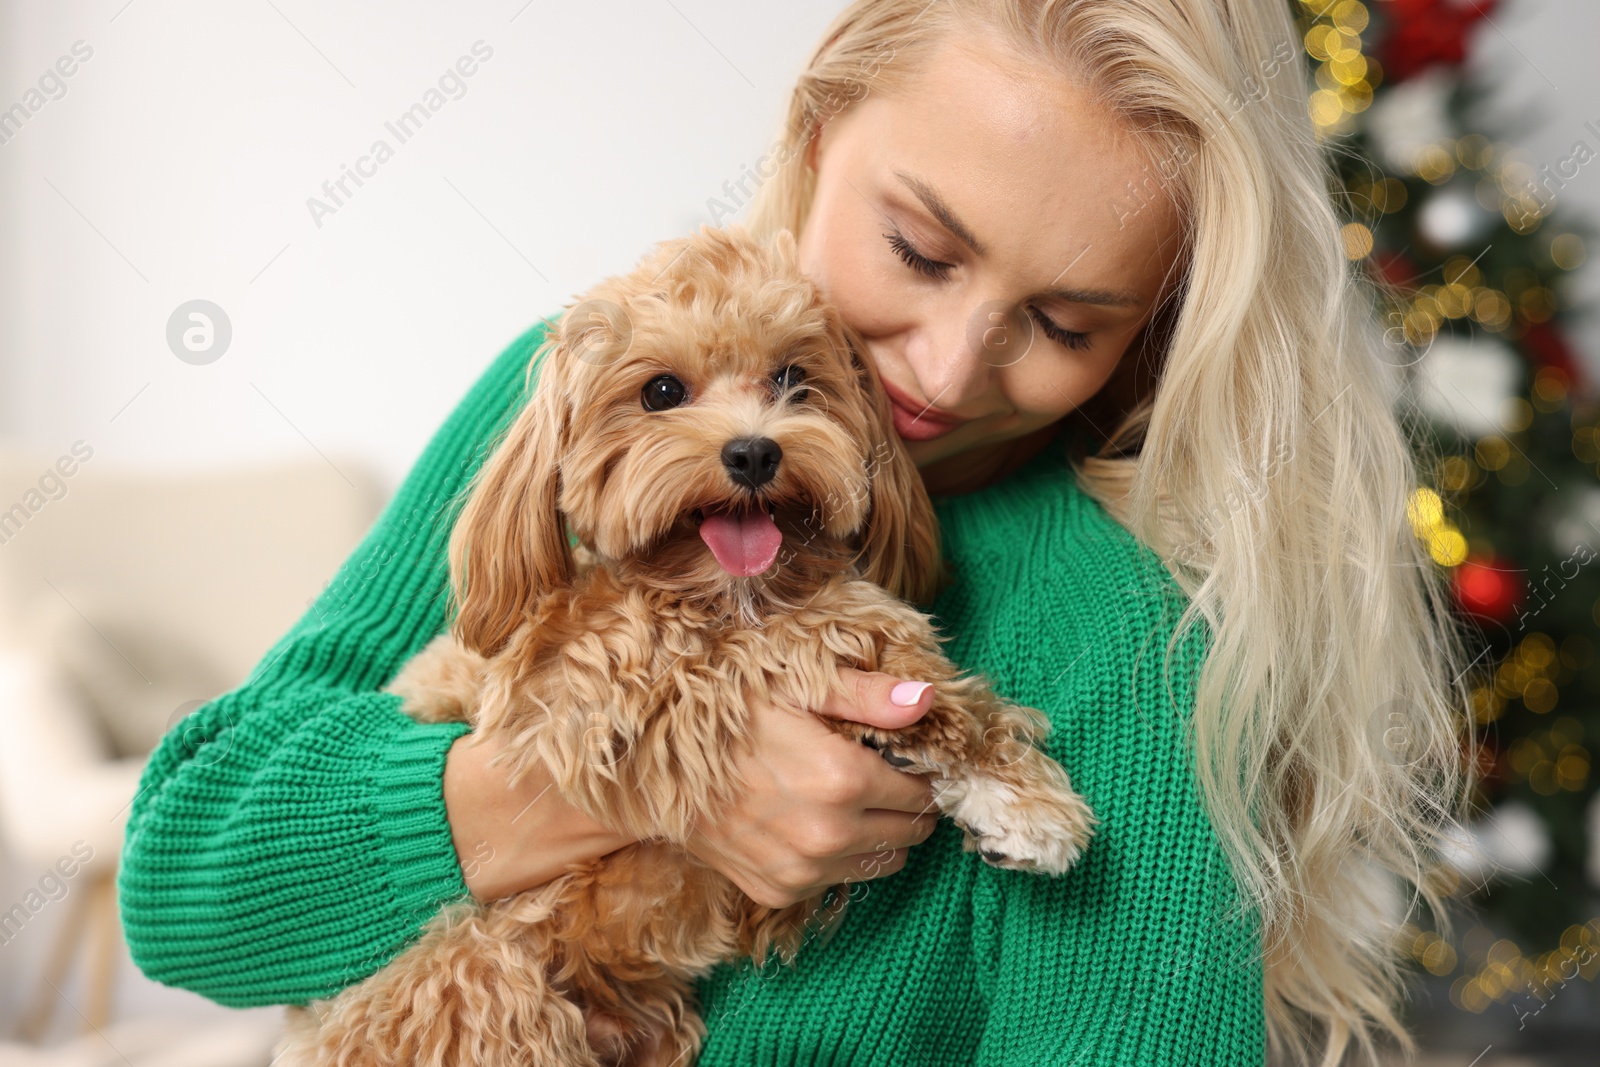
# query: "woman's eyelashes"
{"type": "Point", "coordinates": [1065, 338]}
{"type": "Point", "coordinates": [914, 259]}
{"type": "Point", "coordinates": [933, 268]}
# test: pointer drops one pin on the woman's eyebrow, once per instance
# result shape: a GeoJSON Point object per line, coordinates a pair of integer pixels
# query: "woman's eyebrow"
{"type": "Point", "coordinates": [941, 211]}
{"type": "Point", "coordinates": [1111, 298]}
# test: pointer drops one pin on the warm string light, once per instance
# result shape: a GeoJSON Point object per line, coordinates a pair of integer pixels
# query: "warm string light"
{"type": "Point", "coordinates": [1345, 76]}
{"type": "Point", "coordinates": [1506, 974]}
{"type": "Point", "coordinates": [1584, 419]}
{"type": "Point", "coordinates": [1443, 540]}
{"type": "Point", "coordinates": [1497, 972]}
{"type": "Point", "coordinates": [1554, 760]}
{"type": "Point", "coordinates": [1525, 299]}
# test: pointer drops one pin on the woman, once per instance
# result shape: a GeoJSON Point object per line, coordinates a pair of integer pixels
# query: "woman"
{"type": "Point", "coordinates": [1062, 227]}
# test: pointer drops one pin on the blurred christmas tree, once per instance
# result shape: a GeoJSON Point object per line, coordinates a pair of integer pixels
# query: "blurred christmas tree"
{"type": "Point", "coordinates": [1472, 247]}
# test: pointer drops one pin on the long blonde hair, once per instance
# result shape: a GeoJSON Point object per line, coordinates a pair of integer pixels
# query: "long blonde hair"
{"type": "Point", "coordinates": [1254, 439]}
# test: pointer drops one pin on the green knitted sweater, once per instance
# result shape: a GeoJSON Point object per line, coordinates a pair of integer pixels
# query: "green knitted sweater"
{"type": "Point", "coordinates": [289, 837]}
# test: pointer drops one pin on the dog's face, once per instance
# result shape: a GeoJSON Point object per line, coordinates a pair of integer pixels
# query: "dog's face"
{"type": "Point", "coordinates": [703, 423]}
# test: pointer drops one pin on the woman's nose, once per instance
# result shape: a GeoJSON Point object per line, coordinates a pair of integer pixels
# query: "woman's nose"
{"type": "Point", "coordinates": [1000, 333]}
{"type": "Point", "coordinates": [954, 365]}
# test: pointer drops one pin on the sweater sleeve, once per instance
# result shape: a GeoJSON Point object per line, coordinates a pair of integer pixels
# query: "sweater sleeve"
{"type": "Point", "coordinates": [289, 837]}
{"type": "Point", "coordinates": [1137, 955]}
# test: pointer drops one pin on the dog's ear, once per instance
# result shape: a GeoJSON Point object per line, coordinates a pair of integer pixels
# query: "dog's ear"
{"type": "Point", "coordinates": [900, 545]}
{"type": "Point", "coordinates": [509, 547]}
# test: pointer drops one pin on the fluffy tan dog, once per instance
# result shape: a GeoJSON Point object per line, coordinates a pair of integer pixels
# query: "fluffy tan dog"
{"type": "Point", "coordinates": [708, 432]}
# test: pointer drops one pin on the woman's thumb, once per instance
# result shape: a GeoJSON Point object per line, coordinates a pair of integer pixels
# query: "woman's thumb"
{"type": "Point", "coordinates": [881, 700]}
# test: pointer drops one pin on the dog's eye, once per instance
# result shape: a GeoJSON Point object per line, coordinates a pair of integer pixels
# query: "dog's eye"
{"type": "Point", "coordinates": [662, 393]}
{"type": "Point", "coordinates": [790, 377]}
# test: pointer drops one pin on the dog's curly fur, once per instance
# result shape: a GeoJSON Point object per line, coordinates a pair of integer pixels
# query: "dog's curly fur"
{"type": "Point", "coordinates": [626, 665]}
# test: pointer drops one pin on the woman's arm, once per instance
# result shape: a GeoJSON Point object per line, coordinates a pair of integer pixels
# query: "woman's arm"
{"type": "Point", "coordinates": [291, 836]}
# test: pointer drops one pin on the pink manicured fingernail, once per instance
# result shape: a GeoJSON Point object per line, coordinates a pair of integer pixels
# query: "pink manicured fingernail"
{"type": "Point", "coordinates": [908, 693]}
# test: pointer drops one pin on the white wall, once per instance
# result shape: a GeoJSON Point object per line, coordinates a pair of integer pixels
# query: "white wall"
{"type": "Point", "coordinates": [10, 251]}
{"type": "Point", "coordinates": [179, 163]}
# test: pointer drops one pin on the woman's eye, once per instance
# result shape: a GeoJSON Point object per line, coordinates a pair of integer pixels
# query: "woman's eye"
{"type": "Point", "coordinates": [1066, 338]}
{"type": "Point", "coordinates": [787, 379]}
{"type": "Point", "coordinates": [933, 268]}
{"type": "Point", "coordinates": [662, 393]}
{"type": "Point", "coordinates": [918, 262]}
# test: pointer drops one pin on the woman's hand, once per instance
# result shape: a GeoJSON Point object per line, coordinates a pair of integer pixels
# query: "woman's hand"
{"type": "Point", "coordinates": [819, 809]}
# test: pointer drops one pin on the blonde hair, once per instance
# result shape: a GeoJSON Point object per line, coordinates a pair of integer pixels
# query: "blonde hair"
{"type": "Point", "coordinates": [1256, 445]}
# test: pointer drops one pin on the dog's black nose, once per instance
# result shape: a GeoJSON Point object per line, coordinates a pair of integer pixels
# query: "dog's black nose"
{"type": "Point", "coordinates": [753, 461]}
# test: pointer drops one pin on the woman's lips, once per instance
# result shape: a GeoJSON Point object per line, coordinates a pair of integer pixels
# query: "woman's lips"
{"type": "Point", "coordinates": [913, 424]}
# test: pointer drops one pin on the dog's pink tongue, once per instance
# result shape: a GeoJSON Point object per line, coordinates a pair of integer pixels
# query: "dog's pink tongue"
{"type": "Point", "coordinates": [743, 544]}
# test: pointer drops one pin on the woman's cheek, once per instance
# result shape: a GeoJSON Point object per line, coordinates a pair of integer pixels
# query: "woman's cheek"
{"type": "Point", "coordinates": [871, 298]}
{"type": "Point", "coordinates": [1058, 386]}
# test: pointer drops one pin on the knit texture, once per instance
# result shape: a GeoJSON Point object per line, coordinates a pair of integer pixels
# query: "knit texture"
{"type": "Point", "coordinates": [289, 837]}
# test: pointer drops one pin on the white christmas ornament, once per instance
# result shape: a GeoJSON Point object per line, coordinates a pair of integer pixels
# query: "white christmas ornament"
{"type": "Point", "coordinates": [1409, 117]}
{"type": "Point", "coordinates": [1452, 217]}
{"type": "Point", "coordinates": [1466, 382]}
{"type": "Point", "coordinates": [1578, 528]}
{"type": "Point", "coordinates": [1511, 839]}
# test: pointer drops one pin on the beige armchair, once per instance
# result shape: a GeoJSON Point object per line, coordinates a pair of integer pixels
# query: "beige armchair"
{"type": "Point", "coordinates": [127, 598]}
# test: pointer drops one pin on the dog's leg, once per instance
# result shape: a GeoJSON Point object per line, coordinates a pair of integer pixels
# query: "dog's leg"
{"type": "Point", "coordinates": [655, 1024]}
{"type": "Point", "coordinates": [472, 992]}
{"type": "Point", "coordinates": [296, 1045]}
{"type": "Point", "coordinates": [671, 1047]}
{"type": "Point", "coordinates": [1016, 804]}
{"type": "Point", "coordinates": [440, 683]}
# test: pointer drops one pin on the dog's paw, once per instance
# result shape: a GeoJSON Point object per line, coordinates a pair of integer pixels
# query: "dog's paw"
{"type": "Point", "coordinates": [1044, 830]}
{"type": "Point", "coordinates": [894, 758]}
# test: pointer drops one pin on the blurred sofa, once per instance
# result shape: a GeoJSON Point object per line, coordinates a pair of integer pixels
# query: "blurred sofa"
{"type": "Point", "coordinates": [128, 597]}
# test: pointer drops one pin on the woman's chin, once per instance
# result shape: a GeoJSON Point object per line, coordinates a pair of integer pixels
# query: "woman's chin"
{"type": "Point", "coordinates": [926, 453]}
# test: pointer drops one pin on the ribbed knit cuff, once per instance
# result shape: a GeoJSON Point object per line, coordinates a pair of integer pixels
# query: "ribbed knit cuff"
{"type": "Point", "coordinates": [406, 768]}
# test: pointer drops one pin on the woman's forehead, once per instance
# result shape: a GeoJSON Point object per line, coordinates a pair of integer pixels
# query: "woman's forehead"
{"type": "Point", "coordinates": [1042, 175]}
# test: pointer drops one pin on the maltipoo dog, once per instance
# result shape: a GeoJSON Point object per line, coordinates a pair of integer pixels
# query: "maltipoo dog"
{"type": "Point", "coordinates": [746, 522]}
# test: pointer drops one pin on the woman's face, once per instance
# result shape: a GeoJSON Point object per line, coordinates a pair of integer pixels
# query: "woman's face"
{"type": "Point", "coordinates": [998, 239]}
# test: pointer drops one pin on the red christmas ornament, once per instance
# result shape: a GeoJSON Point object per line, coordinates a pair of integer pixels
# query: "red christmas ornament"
{"type": "Point", "coordinates": [1487, 761]}
{"type": "Point", "coordinates": [1395, 268]}
{"type": "Point", "coordinates": [1487, 586]}
{"type": "Point", "coordinates": [1549, 347]}
{"type": "Point", "coordinates": [1424, 32]}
